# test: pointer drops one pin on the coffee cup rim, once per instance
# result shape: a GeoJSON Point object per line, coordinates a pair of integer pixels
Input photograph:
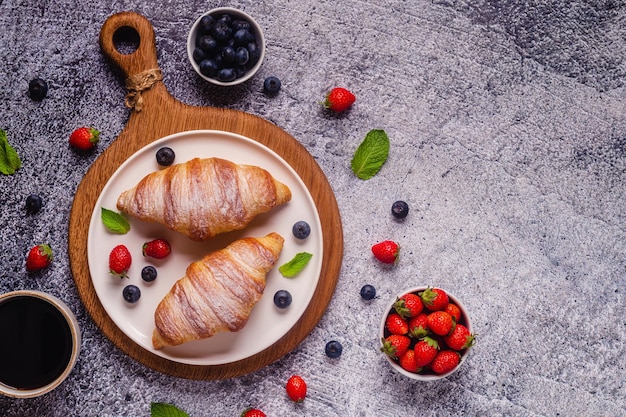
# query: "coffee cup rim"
{"type": "Point", "coordinates": [76, 343]}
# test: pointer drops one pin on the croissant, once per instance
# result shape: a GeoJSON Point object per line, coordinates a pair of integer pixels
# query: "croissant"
{"type": "Point", "coordinates": [217, 293]}
{"type": "Point", "coordinates": [204, 197]}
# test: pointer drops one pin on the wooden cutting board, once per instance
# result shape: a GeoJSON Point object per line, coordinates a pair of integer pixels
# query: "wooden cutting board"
{"type": "Point", "coordinates": [162, 115]}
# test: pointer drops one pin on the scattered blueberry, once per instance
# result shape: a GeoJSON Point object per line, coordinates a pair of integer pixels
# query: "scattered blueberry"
{"type": "Point", "coordinates": [148, 273]}
{"type": "Point", "coordinates": [333, 349]}
{"type": "Point", "coordinates": [33, 203]}
{"type": "Point", "coordinates": [301, 229]}
{"type": "Point", "coordinates": [282, 298]}
{"type": "Point", "coordinates": [271, 85]}
{"type": "Point", "coordinates": [37, 89]}
{"type": "Point", "coordinates": [368, 292]}
{"type": "Point", "coordinates": [165, 156]}
{"type": "Point", "coordinates": [131, 293]}
{"type": "Point", "coordinates": [400, 209]}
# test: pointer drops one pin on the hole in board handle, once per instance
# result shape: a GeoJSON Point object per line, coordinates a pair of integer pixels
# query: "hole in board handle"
{"type": "Point", "coordinates": [126, 40]}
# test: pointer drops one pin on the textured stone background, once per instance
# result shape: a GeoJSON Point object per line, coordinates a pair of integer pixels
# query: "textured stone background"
{"type": "Point", "coordinates": [508, 136]}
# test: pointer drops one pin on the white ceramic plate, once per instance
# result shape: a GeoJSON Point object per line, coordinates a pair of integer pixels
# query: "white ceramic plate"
{"type": "Point", "coordinates": [267, 324]}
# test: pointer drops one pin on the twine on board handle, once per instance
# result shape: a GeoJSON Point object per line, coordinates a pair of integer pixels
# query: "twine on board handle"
{"type": "Point", "coordinates": [138, 83]}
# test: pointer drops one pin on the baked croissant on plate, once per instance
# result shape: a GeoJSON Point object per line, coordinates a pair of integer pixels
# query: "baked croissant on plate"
{"type": "Point", "coordinates": [204, 197]}
{"type": "Point", "coordinates": [217, 293]}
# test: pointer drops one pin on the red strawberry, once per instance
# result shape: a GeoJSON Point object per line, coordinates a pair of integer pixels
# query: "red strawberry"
{"type": "Point", "coordinates": [339, 99]}
{"type": "Point", "coordinates": [39, 257]}
{"type": "Point", "coordinates": [396, 324]}
{"type": "Point", "coordinates": [435, 299]}
{"type": "Point", "coordinates": [253, 412]}
{"type": "Point", "coordinates": [425, 351]}
{"type": "Point", "coordinates": [386, 251]}
{"type": "Point", "coordinates": [84, 138]}
{"type": "Point", "coordinates": [408, 362]}
{"type": "Point", "coordinates": [418, 326]}
{"type": "Point", "coordinates": [296, 388]}
{"type": "Point", "coordinates": [460, 338]}
{"type": "Point", "coordinates": [395, 345]}
{"type": "Point", "coordinates": [441, 323]}
{"type": "Point", "coordinates": [119, 261]}
{"type": "Point", "coordinates": [445, 361]}
{"type": "Point", "coordinates": [158, 249]}
{"type": "Point", "coordinates": [454, 311]}
{"type": "Point", "coordinates": [409, 305]}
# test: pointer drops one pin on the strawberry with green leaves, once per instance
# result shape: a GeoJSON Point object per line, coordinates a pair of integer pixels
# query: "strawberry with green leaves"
{"type": "Point", "coordinates": [157, 249]}
{"type": "Point", "coordinates": [460, 338]}
{"type": "Point", "coordinates": [418, 326]}
{"type": "Point", "coordinates": [39, 257]}
{"type": "Point", "coordinates": [120, 261]}
{"type": "Point", "coordinates": [386, 251]}
{"type": "Point", "coordinates": [396, 324]}
{"type": "Point", "coordinates": [253, 412]}
{"type": "Point", "coordinates": [84, 138]}
{"type": "Point", "coordinates": [425, 351]}
{"type": "Point", "coordinates": [435, 299]}
{"type": "Point", "coordinates": [441, 323]}
{"type": "Point", "coordinates": [395, 345]}
{"type": "Point", "coordinates": [409, 305]}
{"type": "Point", "coordinates": [454, 311]}
{"type": "Point", "coordinates": [445, 361]}
{"type": "Point", "coordinates": [339, 99]}
{"type": "Point", "coordinates": [296, 388]}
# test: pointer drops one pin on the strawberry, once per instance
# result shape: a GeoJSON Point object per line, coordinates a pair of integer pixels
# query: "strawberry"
{"type": "Point", "coordinates": [445, 361]}
{"type": "Point", "coordinates": [425, 351]}
{"type": "Point", "coordinates": [386, 251]}
{"type": "Point", "coordinates": [454, 311]}
{"type": "Point", "coordinates": [253, 412]}
{"type": "Point", "coordinates": [409, 305]}
{"type": "Point", "coordinates": [157, 248]}
{"type": "Point", "coordinates": [460, 338]}
{"type": "Point", "coordinates": [408, 362]}
{"type": "Point", "coordinates": [84, 138]}
{"type": "Point", "coordinates": [339, 99]}
{"type": "Point", "coordinates": [435, 299]}
{"type": "Point", "coordinates": [120, 261]}
{"type": "Point", "coordinates": [396, 324]}
{"type": "Point", "coordinates": [418, 326]}
{"type": "Point", "coordinates": [296, 388]}
{"type": "Point", "coordinates": [441, 323]}
{"type": "Point", "coordinates": [395, 345]}
{"type": "Point", "coordinates": [39, 257]}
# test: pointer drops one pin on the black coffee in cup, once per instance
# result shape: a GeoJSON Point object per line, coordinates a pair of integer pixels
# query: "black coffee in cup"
{"type": "Point", "coordinates": [36, 342]}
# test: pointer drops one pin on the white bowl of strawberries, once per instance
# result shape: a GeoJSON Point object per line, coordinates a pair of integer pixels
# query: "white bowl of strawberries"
{"type": "Point", "coordinates": [426, 333]}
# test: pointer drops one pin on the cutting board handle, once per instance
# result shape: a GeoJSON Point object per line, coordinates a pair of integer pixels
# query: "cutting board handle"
{"type": "Point", "coordinates": [129, 27]}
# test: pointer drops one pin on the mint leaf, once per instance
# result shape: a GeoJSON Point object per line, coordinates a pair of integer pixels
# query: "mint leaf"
{"type": "Point", "coordinates": [115, 222]}
{"type": "Point", "coordinates": [166, 410]}
{"type": "Point", "coordinates": [9, 160]}
{"type": "Point", "coordinates": [294, 266]}
{"type": "Point", "coordinates": [371, 154]}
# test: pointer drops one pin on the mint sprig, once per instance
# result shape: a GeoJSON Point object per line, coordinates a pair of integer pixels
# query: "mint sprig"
{"type": "Point", "coordinates": [166, 410]}
{"type": "Point", "coordinates": [9, 159]}
{"type": "Point", "coordinates": [294, 266]}
{"type": "Point", "coordinates": [371, 154]}
{"type": "Point", "coordinates": [114, 222]}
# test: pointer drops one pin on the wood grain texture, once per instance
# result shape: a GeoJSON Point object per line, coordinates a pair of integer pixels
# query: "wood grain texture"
{"type": "Point", "coordinates": [163, 115]}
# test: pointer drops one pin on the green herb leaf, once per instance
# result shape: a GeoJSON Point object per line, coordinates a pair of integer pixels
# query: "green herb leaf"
{"type": "Point", "coordinates": [9, 159]}
{"type": "Point", "coordinates": [115, 222]}
{"type": "Point", "coordinates": [294, 266]}
{"type": "Point", "coordinates": [166, 410]}
{"type": "Point", "coordinates": [371, 154]}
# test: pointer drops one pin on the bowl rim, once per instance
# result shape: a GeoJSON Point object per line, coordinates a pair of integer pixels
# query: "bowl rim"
{"type": "Point", "coordinates": [397, 367]}
{"type": "Point", "coordinates": [258, 32]}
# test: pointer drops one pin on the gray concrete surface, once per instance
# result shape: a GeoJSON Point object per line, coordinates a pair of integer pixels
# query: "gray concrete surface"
{"type": "Point", "coordinates": [508, 141]}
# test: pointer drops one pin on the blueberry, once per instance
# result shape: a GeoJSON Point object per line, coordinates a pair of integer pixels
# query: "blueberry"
{"type": "Point", "coordinates": [400, 209]}
{"type": "Point", "coordinates": [240, 24]}
{"type": "Point", "coordinates": [209, 67]}
{"type": "Point", "coordinates": [206, 23]}
{"type": "Point", "coordinates": [241, 56]}
{"type": "Point", "coordinates": [226, 74]}
{"type": "Point", "coordinates": [199, 55]}
{"type": "Point", "coordinates": [165, 156]}
{"type": "Point", "coordinates": [131, 293]}
{"type": "Point", "coordinates": [37, 89]}
{"type": "Point", "coordinates": [208, 44]}
{"type": "Point", "coordinates": [148, 273]}
{"type": "Point", "coordinates": [225, 18]}
{"type": "Point", "coordinates": [271, 85]}
{"type": "Point", "coordinates": [301, 229]}
{"type": "Point", "coordinates": [241, 70]}
{"type": "Point", "coordinates": [221, 31]}
{"type": "Point", "coordinates": [33, 203]}
{"type": "Point", "coordinates": [228, 54]}
{"type": "Point", "coordinates": [282, 298]}
{"type": "Point", "coordinates": [333, 349]}
{"type": "Point", "coordinates": [243, 37]}
{"type": "Point", "coordinates": [368, 292]}
{"type": "Point", "coordinates": [255, 53]}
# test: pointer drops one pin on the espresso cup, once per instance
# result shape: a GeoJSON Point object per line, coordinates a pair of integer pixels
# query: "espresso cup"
{"type": "Point", "coordinates": [39, 343]}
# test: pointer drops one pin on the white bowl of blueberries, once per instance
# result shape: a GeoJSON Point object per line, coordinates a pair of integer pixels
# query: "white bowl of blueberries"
{"type": "Point", "coordinates": [226, 46]}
